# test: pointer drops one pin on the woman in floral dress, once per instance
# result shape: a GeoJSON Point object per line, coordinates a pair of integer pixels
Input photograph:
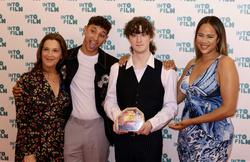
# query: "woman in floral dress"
{"type": "Point", "coordinates": [41, 107]}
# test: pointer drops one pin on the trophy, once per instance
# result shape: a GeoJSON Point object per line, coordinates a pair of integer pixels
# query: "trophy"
{"type": "Point", "coordinates": [130, 119]}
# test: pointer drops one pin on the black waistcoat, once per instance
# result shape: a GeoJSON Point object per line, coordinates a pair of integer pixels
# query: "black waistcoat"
{"type": "Point", "coordinates": [147, 95]}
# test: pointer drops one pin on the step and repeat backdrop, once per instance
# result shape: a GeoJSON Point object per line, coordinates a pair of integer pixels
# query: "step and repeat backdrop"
{"type": "Point", "coordinates": [24, 23]}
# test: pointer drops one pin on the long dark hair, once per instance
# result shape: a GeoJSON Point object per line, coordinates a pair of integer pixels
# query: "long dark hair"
{"type": "Point", "coordinates": [216, 23]}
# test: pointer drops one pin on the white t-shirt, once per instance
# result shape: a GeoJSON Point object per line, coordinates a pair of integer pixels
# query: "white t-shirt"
{"type": "Point", "coordinates": [82, 88]}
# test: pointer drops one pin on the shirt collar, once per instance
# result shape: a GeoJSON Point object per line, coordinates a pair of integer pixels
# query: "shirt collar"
{"type": "Point", "coordinates": [149, 63]}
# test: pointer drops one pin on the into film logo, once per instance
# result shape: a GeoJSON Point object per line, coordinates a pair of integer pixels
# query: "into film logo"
{"type": "Point", "coordinates": [50, 7]}
{"type": "Point", "coordinates": [12, 100]}
{"type": "Point", "coordinates": [204, 9]}
{"type": "Point", "coordinates": [241, 139]}
{"type": "Point", "coordinates": [229, 49]}
{"type": "Point", "coordinates": [33, 19]}
{"type": "Point", "coordinates": [185, 47]}
{"type": "Point", "coordinates": [70, 43]}
{"type": "Point", "coordinates": [242, 114]}
{"type": "Point", "coordinates": [166, 8]}
{"type": "Point", "coordinates": [165, 158]}
{"type": "Point", "coordinates": [243, 62]}
{"type": "Point", "coordinates": [227, 22]}
{"type": "Point", "coordinates": [244, 8]}
{"type": "Point", "coordinates": [14, 76]}
{"type": "Point", "coordinates": [32, 42]}
{"type": "Point", "coordinates": [3, 156]}
{"type": "Point", "coordinates": [13, 145]}
{"type": "Point", "coordinates": [179, 71]}
{"type": "Point", "coordinates": [87, 7]}
{"type": "Point", "coordinates": [13, 123]}
{"type": "Point", "coordinates": [186, 21]}
{"type": "Point", "coordinates": [29, 65]}
{"type": "Point", "coordinates": [165, 134]}
{"type": "Point", "coordinates": [126, 7]}
{"type": "Point", "coordinates": [2, 89]}
{"type": "Point", "coordinates": [48, 30]}
{"type": "Point", "coordinates": [2, 20]}
{"type": "Point", "coordinates": [3, 134]}
{"type": "Point", "coordinates": [2, 66]}
{"type": "Point", "coordinates": [243, 35]}
{"type": "Point", "coordinates": [162, 57]}
{"type": "Point", "coordinates": [15, 7]}
{"type": "Point", "coordinates": [2, 43]}
{"type": "Point", "coordinates": [165, 34]}
{"type": "Point", "coordinates": [244, 88]}
{"type": "Point", "coordinates": [15, 30]}
{"type": "Point", "coordinates": [81, 30]}
{"type": "Point", "coordinates": [120, 32]}
{"type": "Point", "coordinates": [108, 46]}
{"type": "Point", "coordinates": [69, 19]}
{"type": "Point", "coordinates": [3, 112]}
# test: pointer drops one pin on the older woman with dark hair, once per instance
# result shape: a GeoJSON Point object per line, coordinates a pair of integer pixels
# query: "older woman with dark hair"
{"type": "Point", "coordinates": [40, 109]}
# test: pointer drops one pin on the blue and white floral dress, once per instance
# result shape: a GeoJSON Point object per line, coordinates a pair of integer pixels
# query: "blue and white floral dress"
{"type": "Point", "coordinates": [206, 141]}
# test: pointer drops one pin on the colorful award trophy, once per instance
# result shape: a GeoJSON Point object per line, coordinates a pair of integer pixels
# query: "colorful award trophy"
{"type": "Point", "coordinates": [130, 119]}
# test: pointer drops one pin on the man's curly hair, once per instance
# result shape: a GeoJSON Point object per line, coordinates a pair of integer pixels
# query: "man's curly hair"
{"type": "Point", "coordinates": [133, 27]}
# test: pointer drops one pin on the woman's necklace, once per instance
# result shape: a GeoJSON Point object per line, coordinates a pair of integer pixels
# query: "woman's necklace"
{"type": "Point", "coordinates": [51, 77]}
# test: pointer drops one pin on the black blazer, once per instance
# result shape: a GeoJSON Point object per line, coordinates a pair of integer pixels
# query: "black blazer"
{"type": "Point", "coordinates": [102, 70]}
